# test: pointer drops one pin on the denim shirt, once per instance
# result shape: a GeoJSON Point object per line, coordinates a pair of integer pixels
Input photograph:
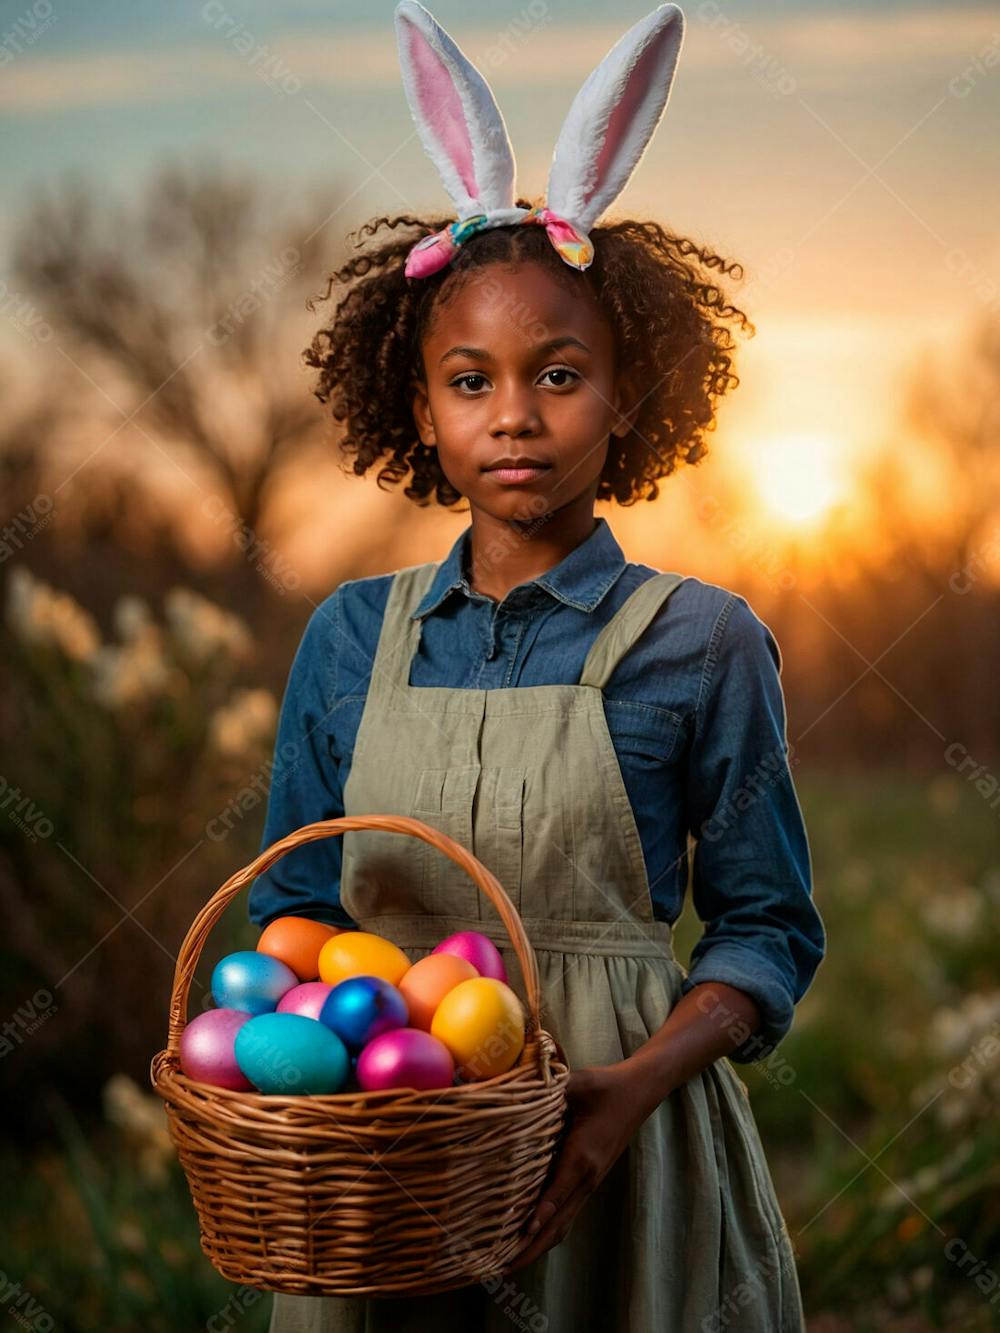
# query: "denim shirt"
{"type": "Point", "coordinates": [696, 715]}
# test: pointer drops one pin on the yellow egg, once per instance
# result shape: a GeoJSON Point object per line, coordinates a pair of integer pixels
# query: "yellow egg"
{"type": "Point", "coordinates": [481, 1021]}
{"type": "Point", "coordinates": [355, 953]}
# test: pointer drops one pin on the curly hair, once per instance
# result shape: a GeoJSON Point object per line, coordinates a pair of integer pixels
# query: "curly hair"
{"type": "Point", "coordinates": [669, 321]}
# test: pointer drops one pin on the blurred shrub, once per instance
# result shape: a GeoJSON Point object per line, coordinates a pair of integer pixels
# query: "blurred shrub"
{"type": "Point", "coordinates": [135, 783]}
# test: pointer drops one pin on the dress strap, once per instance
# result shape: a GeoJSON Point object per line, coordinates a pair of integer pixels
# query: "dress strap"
{"type": "Point", "coordinates": [620, 634]}
{"type": "Point", "coordinates": [400, 633]}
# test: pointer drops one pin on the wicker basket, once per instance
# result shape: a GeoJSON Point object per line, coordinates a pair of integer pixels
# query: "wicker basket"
{"type": "Point", "coordinates": [365, 1193]}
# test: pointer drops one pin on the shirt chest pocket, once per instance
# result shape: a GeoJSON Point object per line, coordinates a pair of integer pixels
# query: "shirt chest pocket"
{"type": "Point", "coordinates": [645, 735]}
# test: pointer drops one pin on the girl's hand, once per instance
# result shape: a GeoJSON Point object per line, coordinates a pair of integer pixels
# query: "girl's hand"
{"type": "Point", "coordinates": [604, 1109]}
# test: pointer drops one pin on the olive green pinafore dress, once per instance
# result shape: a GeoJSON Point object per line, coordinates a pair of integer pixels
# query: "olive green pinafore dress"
{"type": "Point", "coordinates": [684, 1234]}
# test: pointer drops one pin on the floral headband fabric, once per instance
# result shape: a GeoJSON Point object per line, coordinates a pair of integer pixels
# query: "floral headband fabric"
{"type": "Point", "coordinates": [605, 133]}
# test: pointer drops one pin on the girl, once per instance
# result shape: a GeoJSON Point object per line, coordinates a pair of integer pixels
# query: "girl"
{"type": "Point", "coordinates": [569, 715]}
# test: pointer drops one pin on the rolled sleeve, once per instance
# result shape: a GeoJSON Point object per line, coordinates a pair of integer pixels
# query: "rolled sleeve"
{"type": "Point", "coordinates": [305, 786]}
{"type": "Point", "coordinates": [751, 881]}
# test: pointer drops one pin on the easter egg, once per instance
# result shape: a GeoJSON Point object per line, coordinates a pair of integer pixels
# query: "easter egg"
{"type": "Point", "coordinates": [361, 1008]}
{"type": "Point", "coordinates": [286, 1053]}
{"type": "Point", "coordinates": [207, 1049]}
{"type": "Point", "coordinates": [296, 940]}
{"type": "Point", "coordinates": [405, 1058]}
{"type": "Point", "coordinates": [481, 1021]}
{"type": "Point", "coordinates": [356, 953]}
{"type": "Point", "coordinates": [251, 981]}
{"type": "Point", "coordinates": [477, 949]}
{"type": "Point", "coordinates": [307, 999]}
{"type": "Point", "coordinates": [428, 981]}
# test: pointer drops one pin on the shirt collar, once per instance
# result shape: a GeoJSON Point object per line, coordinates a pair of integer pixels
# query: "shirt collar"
{"type": "Point", "coordinates": [580, 579]}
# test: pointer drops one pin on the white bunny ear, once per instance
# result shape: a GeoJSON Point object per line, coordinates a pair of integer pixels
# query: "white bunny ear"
{"type": "Point", "coordinates": [613, 118]}
{"type": "Point", "coordinates": [455, 113]}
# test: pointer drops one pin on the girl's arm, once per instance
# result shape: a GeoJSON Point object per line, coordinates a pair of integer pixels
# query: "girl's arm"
{"type": "Point", "coordinates": [304, 784]}
{"type": "Point", "coordinates": [752, 889]}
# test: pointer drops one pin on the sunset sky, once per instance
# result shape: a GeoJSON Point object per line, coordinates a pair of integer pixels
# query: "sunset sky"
{"type": "Point", "coordinates": [846, 154]}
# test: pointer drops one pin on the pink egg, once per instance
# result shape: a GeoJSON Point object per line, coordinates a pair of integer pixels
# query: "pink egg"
{"type": "Point", "coordinates": [405, 1058]}
{"type": "Point", "coordinates": [307, 999]}
{"type": "Point", "coordinates": [478, 950]}
{"type": "Point", "coordinates": [207, 1053]}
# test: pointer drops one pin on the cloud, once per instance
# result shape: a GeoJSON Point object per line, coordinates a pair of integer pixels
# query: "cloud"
{"type": "Point", "coordinates": [901, 44]}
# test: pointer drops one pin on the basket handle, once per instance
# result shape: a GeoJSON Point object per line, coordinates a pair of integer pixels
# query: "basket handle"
{"type": "Point", "coordinates": [194, 940]}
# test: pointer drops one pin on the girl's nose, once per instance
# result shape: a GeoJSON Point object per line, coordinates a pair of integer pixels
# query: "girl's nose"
{"type": "Point", "coordinates": [515, 411]}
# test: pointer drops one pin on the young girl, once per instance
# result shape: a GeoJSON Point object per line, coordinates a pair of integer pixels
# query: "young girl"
{"type": "Point", "coordinates": [569, 715]}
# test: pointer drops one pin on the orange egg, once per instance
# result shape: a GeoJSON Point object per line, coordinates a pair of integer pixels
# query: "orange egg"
{"type": "Point", "coordinates": [356, 953]}
{"type": "Point", "coordinates": [481, 1021]}
{"type": "Point", "coordinates": [296, 940]}
{"type": "Point", "coordinates": [428, 981]}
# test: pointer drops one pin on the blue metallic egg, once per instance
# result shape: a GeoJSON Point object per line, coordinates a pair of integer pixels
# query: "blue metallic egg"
{"type": "Point", "coordinates": [251, 981]}
{"type": "Point", "coordinates": [363, 1007]}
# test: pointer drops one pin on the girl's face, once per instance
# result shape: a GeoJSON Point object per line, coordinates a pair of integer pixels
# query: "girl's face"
{"type": "Point", "coordinates": [518, 367]}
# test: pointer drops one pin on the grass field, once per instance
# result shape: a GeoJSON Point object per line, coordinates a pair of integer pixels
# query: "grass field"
{"type": "Point", "coordinates": [879, 1118]}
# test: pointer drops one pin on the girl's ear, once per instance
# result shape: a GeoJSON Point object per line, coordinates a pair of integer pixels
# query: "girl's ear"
{"type": "Point", "coordinates": [613, 117]}
{"type": "Point", "coordinates": [628, 402]}
{"type": "Point", "coordinates": [456, 114]}
{"type": "Point", "coordinates": [420, 404]}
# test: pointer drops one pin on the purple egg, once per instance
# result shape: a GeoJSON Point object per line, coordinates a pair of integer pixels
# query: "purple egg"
{"type": "Point", "coordinates": [307, 999]}
{"type": "Point", "coordinates": [207, 1053]}
{"type": "Point", "coordinates": [477, 949]}
{"type": "Point", "coordinates": [360, 1008]}
{"type": "Point", "coordinates": [251, 981]}
{"type": "Point", "coordinates": [406, 1058]}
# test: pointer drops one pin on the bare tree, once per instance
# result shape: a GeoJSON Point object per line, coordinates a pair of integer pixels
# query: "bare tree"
{"type": "Point", "coordinates": [178, 309]}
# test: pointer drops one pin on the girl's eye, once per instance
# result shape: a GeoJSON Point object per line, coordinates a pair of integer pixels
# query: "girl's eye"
{"type": "Point", "coordinates": [469, 375]}
{"type": "Point", "coordinates": [476, 375]}
{"type": "Point", "coordinates": [562, 370]}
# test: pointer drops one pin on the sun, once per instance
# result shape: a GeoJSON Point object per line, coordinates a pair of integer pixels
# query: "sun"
{"type": "Point", "coordinates": [798, 476]}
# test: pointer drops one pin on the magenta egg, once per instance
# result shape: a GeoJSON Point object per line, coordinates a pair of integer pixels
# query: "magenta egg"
{"type": "Point", "coordinates": [405, 1058]}
{"type": "Point", "coordinates": [207, 1053]}
{"type": "Point", "coordinates": [307, 999]}
{"type": "Point", "coordinates": [477, 949]}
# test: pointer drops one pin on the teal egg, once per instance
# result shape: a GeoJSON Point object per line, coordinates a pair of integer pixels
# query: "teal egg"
{"type": "Point", "coordinates": [291, 1054]}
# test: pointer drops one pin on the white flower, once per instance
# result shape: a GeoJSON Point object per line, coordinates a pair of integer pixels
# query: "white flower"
{"type": "Point", "coordinates": [245, 722]}
{"type": "Point", "coordinates": [142, 1118]}
{"type": "Point", "coordinates": [136, 670]}
{"type": "Point", "coordinates": [38, 614]}
{"type": "Point", "coordinates": [203, 630]}
{"type": "Point", "coordinates": [954, 912]}
{"type": "Point", "coordinates": [954, 1030]}
{"type": "Point", "coordinates": [132, 617]}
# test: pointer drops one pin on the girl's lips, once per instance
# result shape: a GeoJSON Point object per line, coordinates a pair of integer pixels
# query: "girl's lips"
{"type": "Point", "coordinates": [514, 475]}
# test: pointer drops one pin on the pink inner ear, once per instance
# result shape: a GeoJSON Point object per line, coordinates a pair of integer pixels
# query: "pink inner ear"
{"type": "Point", "coordinates": [647, 68]}
{"type": "Point", "coordinates": [441, 107]}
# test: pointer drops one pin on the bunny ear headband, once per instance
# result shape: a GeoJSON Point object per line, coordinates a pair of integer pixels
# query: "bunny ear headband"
{"type": "Point", "coordinates": [605, 133]}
